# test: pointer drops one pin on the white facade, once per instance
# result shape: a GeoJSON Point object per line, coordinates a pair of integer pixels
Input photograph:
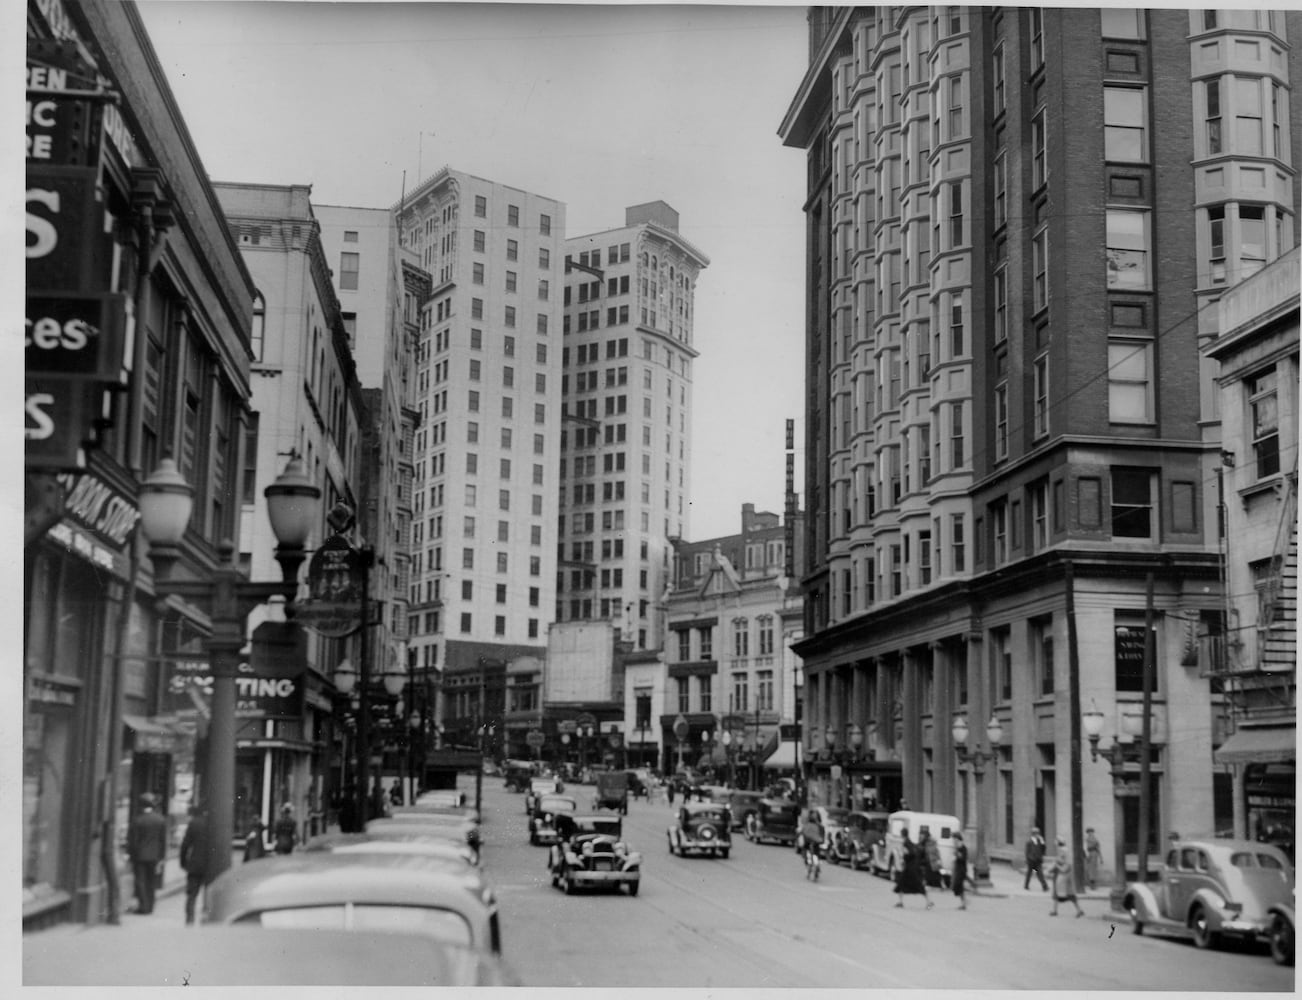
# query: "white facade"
{"type": "Point", "coordinates": [626, 462]}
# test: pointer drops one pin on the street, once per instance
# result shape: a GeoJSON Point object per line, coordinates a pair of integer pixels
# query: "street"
{"type": "Point", "coordinates": [753, 921]}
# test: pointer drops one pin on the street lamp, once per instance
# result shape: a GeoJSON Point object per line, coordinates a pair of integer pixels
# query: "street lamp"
{"type": "Point", "coordinates": [978, 758]}
{"type": "Point", "coordinates": [165, 503]}
{"type": "Point", "coordinates": [1118, 755]}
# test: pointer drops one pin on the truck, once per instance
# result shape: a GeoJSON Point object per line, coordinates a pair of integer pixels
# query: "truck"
{"type": "Point", "coordinates": [612, 791]}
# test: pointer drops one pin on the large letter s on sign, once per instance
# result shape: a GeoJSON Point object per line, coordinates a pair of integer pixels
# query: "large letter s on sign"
{"type": "Point", "coordinates": [46, 236]}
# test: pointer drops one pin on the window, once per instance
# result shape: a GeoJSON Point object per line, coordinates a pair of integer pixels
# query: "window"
{"type": "Point", "coordinates": [513, 215]}
{"type": "Point", "coordinates": [1127, 249]}
{"type": "Point", "coordinates": [512, 250]}
{"type": "Point", "coordinates": [957, 545]}
{"type": "Point", "coordinates": [258, 333]}
{"type": "Point", "coordinates": [1132, 503]}
{"type": "Point", "coordinates": [1002, 662]}
{"type": "Point", "coordinates": [479, 239]}
{"type": "Point", "coordinates": [1252, 240]}
{"type": "Point", "coordinates": [511, 281]}
{"type": "Point", "coordinates": [1040, 269]}
{"type": "Point", "coordinates": [684, 645]}
{"type": "Point", "coordinates": [1124, 136]}
{"type": "Point", "coordinates": [1001, 189]}
{"type": "Point", "coordinates": [956, 346]}
{"type": "Point", "coordinates": [1042, 651]}
{"type": "Point", "coordinates": [465, 623]}
{"type": "Point", "coordinates": [999, 532]}
{"type": "Point", "coordinates": [1263, 400]}
{"type": "Point", "coordinates": [1039, 516]}
{"type": "Point", "coordinates": [706, 639]}
{"type": "Point", "coordinates": [1247, 117]}
{"type": "Point", "coordinates": [740, 693]}
{"type": "Point", "coordinates": [467, 558]}
{"type": "Point", "coordinates": [1214, 144]}
{"type": "Point", "coordinates": [544, 225]}
{"type": "Point", "coordinates": [1129, 654]}
{"type": "Point", "coordinates": [1039, 163]}
{"type": "Point", "coordinates": [997, 71]}
{"type": "Point", "coordinates": [956, 214]}
{"type": "Point", "coordinates": [1001, 421]}
{"type": "Point", "coordinates": [481, 206]}
{"type": "Point", "coordinates": [1216, 243]}
{"type": "Point", "coordinates": [349, 265]}
{"type": "Point", "coordinates": [705, 702]}
{"type": "Point", "coordinates": [1037, 38]}
{"type": "Point", "coordinates": [1040, 394]}
{"type": "Point", "coordinates": [956, 435]}
{"type": "Point", "coordinates": [477, 273]}
{"type": "Point", "coordinates": [1122, 22]}
{"type": "Point", "coordinates": [1129, 382]}
{"type": "Point", "coordinates": [1001, 304]}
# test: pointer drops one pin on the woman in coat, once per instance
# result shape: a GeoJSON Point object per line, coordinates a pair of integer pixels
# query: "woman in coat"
{"type": "Point", "coordinates": [1064, 884]}
{"type": "Point", "coordinates": [910, 878]}
{"type": "Point", "coordinates": [959, 877]}
{"type": "Point", "coordinates": [932, 868]}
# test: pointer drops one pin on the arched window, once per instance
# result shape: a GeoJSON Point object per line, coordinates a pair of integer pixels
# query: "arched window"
{"type": "Point", "coordinates": [259, 332]}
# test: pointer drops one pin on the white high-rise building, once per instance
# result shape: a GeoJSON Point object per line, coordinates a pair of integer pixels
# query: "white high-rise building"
{"type": "Point", "coordinates": [626, 448]}
{"type": "Point", "coordinates": [487, 445]}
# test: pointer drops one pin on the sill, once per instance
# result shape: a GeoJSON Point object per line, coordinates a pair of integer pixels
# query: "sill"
{"type": "Point", "coordinates": [1267, 484]}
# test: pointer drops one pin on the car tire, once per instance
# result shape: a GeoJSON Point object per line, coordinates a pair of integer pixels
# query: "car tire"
{"type": "Point", "coordinates": [723, 853]}
{"type": "Point", "coordinates": [568, 884]}
{"type": "Point", "coordinates": [533, 839]}
{"type": "Point", "coordinates": [670, 839]}
{"type": "Point", "coordinates": [854, 862]}
{"type": "Point", "coordinates": [1203, 935]}
{"type": "Point", "coordinates": [1281, 940]}
{"type": "Point", "coordinates": [633, 887]}
{"type": "Point", "coordinates": [1136, 923]}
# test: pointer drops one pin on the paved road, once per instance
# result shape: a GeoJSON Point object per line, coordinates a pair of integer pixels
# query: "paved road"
{"type": "Point", "coordinates": [753, 921]}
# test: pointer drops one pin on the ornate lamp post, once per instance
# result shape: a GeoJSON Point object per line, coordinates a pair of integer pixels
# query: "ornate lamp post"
{"type": "Point", "coordinates": [165, 502]}
{"type": "Point", "coordinates": [1118, 755]}
{"type": "Point", "coordinates": [978, 758]}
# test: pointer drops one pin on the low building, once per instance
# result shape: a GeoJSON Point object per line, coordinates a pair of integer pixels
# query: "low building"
{"type": "Point", "coordinates": [1255, 662]}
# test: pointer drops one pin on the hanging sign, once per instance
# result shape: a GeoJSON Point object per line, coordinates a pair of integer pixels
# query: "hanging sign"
{"type": "Point", "coordinates": [336, 581]}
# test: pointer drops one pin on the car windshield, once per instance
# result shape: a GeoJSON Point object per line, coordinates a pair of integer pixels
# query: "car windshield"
{"type": "Point", "coordinates": [441, 924]}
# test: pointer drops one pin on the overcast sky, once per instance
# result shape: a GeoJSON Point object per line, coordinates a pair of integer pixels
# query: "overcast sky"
{"type": "Point", "coordinates": [600, 107]}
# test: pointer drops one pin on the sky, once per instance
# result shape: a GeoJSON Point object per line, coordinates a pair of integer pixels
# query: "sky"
{"type": "Point", "coordinates": [598, 106]}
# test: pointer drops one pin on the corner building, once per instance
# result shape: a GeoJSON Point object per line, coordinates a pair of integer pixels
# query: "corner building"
{"type": "Point", "coordinates": [1017, 218]}
{"type": "Point", "coordinates": [487, 444]}
{"type": "Point", "coordinates": [626, 442]}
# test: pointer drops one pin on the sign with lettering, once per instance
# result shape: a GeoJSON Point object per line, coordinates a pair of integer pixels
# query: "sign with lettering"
{"type": "Point", "coordinates": [77, 335]}
{"type": "Point", "coordinates": [189, 692]}
{"type": "Point", "coordinates": [93, 503]}
{"type": "Point", "coordinates": [64, 222]}
{"type": "Point", "coordinates": [57, 421]}
{"type": "Point", "coordinates": [336, 581]}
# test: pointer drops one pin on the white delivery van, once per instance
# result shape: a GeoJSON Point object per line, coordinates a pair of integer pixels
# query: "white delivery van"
{"type": "Point", "coordinates": [941, 826]}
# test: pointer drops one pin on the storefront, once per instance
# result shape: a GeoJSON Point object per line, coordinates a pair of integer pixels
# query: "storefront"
{"type": "Point", "coordinates": [1266, 756]}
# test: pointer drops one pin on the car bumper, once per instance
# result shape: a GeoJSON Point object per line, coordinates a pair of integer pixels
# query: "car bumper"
{"type": "Point", "coordinates": [546, 837]}
{"type": "Point", "coordinates": [1248, 927]}
{"type": "Point", "coordinates": [580, 877]}
{"type": "Point", "coordinates": [713, 844]}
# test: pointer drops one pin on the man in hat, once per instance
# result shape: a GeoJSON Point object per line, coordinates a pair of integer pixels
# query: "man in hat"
{"type": "Point", "coordinates": [197, 859]}
{"type": "Point", "coordinates": [146, 848]}
{"type": "Point", "coordinates": [285, 832]}
{"type": "Point", "coordinates": [1035, 859]}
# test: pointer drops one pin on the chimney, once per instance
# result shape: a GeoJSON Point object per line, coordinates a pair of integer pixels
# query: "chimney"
{"type": "Point", "coordinates": [747, 517]}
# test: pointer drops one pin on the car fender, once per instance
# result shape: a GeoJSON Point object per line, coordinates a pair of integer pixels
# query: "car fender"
{"type": "Point", "coordinates": [1144, 901]}
{"type": "Point", "coordinates": [1212, 902]}
{"type": "Point", "coordinates": [1281, 910]}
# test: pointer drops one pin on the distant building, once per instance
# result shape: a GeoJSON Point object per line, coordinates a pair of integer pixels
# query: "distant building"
{"type": "Point", "coordinates": [487, 446]}
{"type": "Point", "coordinates": [625, 487]}
{"type": "Point", "coordinates": [1255, 661]}
{"type": "Point", "coordinates": [732, 614]}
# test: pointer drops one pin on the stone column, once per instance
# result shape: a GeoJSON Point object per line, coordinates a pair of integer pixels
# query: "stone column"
{"type": "Point", "coordinates": [942, 748]}
{"type": "Point", "coordinates": [911, 751]}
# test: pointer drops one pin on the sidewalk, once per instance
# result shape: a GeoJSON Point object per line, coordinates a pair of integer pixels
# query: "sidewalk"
{"type": "Point", "coordinates": [1007, 882]}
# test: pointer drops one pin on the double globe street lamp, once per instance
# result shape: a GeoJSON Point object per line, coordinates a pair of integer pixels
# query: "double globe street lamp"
{"type": "Point", "coordinates": [165, 502]}
{"type": "Point", "coordinates": [978, 758]}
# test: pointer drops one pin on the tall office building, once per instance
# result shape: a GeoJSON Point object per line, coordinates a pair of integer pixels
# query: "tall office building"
{"type": "Point", "coordinates": [626, 445]}
{"type": "Point", "coordinates": [1018, 221]}
{"type": "Point", "coordinates": [487, 445]}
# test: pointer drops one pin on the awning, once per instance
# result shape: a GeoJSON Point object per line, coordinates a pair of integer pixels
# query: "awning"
{"type": "Point", "coordinates": [1259, 745]}
{"type": "Point", "coordinates": [783, 758]}
{"type": "Point", "coordinates": [151, 736]}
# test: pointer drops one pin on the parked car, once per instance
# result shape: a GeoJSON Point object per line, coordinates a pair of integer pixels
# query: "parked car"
{"type": "Point", "coordinates": [394, 841]}
{"type": "Point", "coordinates": [942, 828]}
{"type": "Point", "coordinates": [542, 824]}
{"type": "Point", "coordinates": [1212, 888]}
{"type": "Point", "coordinates": [440, 898]}
{"type": "Point", "coordinates": [146, 954]}
{"type": "Point", "coordinates": [461, 829]}
{"type": "Point", "coordinates": [832, 821]}
{"type": "Point", "coordinates": [612, 791]}
{"type": "Point", "coordinates": [592, 853]}
{"type": "Point", "coordinates": [517, 774]}
{"type": "Point", "coordinates": [539, 787]}
{"type": "Point", "coordinates": [775, 819]}
{"type": "Point", "coordinates": [740, 804]}
{"type": "Point", "coordinates": [701, 827]}
{"type": "Point", "coordinates": [639, 782]}
{"type": "Point", "coordinates": [860, 838]}
{"type": "Point", "coordinates": [444, 806]}
{"type": "Point", "coordinates": [443, 797]}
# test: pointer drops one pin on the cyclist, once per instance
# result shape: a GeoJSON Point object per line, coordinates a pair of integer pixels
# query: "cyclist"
{"type": "Point", "coordinates": [811, 834]}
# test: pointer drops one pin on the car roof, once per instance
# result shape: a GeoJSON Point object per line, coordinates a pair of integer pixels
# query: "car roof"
{"type": "Point", "coordinates": [1228, 845]}
{"type": "Point", "coordinates": [391, 841]}
{"type": "Point", "coordinates": [323, 878]}
{"type": "Point", "coordinates": [554, 799]}
{"type": "Point", "coordinates": [146, 954]}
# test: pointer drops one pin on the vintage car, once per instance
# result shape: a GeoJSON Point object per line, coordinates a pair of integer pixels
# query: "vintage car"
{"type": "Point", "coordinates": [701, 828]}
{"type": "Point", "coordinates": [444, 807]}
{"type": "Point", "coordinates": [860, 838]}
{"type": "Point", "coordinates": [776, 820]}
{"type": "Point", "coordinates": [592, 853]}
{"type": "Point", "coordinates": [448, 798]}
{"type": "Point", "coordinates": [831, 820]}
{"type": "Point", "coordinates": [517, 774]}
{"type": "Point", "coordinates": [394, 841]}
{"type": "Point", "coordinates": [940, 826]}
{"type": "Point", "coordinates": [542, 824]}
{"type": "Point", "coordinates": [443, 899]}
{"type": "Point", "coordinates": [612, 791]}
{"type": "Point", "coordinates": [146, 954]}
{"type": "Point", "coordinates": [1281, 933]}
{"type": "Point", "coordinates": [539, 787]}
{"type": "Point", "coordinates": [1212, 888]}
{"type": "Point", "coordinates": [461, 829]}
{"type": "Point", "coordinates": [741, 804]}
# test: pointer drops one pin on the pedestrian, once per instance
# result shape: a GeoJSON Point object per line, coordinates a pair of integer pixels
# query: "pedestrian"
{"type": "Point", "coordinates": [909, 879]}
{"type": "Point", "coordinates": [197, 857]}
{"type": "Point", "coordinates": [285, 833]}
{"type": "Point", "coordinates": [1035, 859]}
{"type": "Point", "coordinates": [670, 790]}
{"type": "Point", "coordinates": [146, 849]}
{"type": "Point", "coordinates": [1064, 883]}
{"type": "Point", "coordinates": [395, 792]}
{"type": "Point", "coordinates": [932, 869]}
{"type": "Point", "coordinates": [254, 845]}
{"type": "Point", "coordinates": [348, 812]}
{"type": "Point", "coordinates": [810, 843]}
{"type": "Point", "coordinates": [959, 877]}
{"type": "Point", "coordinates": [1093, 857]}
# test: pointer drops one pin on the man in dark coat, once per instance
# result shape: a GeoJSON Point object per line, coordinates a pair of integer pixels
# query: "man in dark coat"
{"type": "Point", "coordinates": [197, 857]}
{"type": "Point", "coordinates": [1035, 859]}
{"type": "Point", "coordinates": [909, 879]}
{"type": "Point", "coordinates": [146, 847]}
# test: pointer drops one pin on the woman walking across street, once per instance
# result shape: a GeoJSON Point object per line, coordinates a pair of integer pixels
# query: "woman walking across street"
{"type": "Point", "coordinates": [910, 876]}
{"type": "Point", "coordinates": [932, 868]}
{"type": "Point", "coordinates": [1064, 884]}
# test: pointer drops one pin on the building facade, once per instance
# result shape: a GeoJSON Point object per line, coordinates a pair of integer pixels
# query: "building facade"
{"type": "Point", "coordinates": [731, 614]}
{"type": "Point", "coordinates": [487, 446]}
{"type": "Point", "coordinates": [130, 203]}
{"type": "Point", "coordinates": [625, 458]}
{"type": "Point", "coordinates": [306, 401]}
{"type": "Point", "coordinates": [1009, 450]}
{"type": "Point", "coordinates": [1256, 354]}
